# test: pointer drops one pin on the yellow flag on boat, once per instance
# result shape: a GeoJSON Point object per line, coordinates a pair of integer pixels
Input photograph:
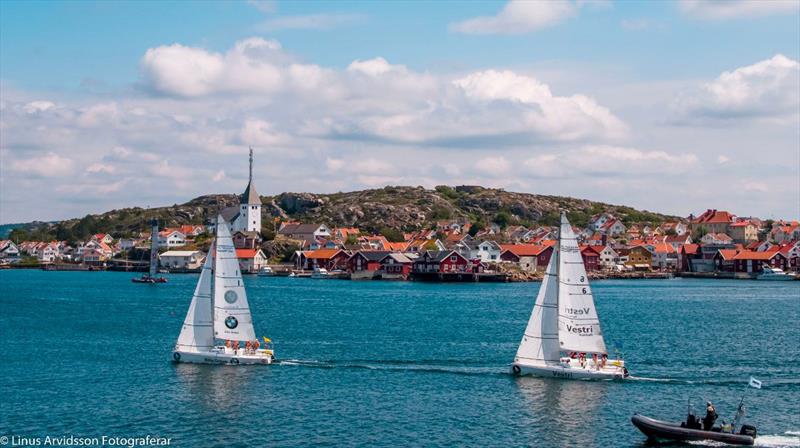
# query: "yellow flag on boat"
{"type": "Point", "coordinates": [267, 340]}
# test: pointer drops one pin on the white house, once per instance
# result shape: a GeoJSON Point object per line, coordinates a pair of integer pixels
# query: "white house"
{"type": "Point", "coordinates": [485, 251]}
{"type": "Point", "coordinates": [608, 256]}
{"type": "Point", "coordinates": [251, 260]}
{"type": "Point", "coordinates": [305, 232]}
{"type": "Point", "coordinates": [181, 259]}
{"type": "Point", "coordinates": [48, 252]}
{"type": "Point", "coordinates": [171, 238]}
{"type": "Point", "coordinates": [103, 237]}
{"type": "Point", "coordinates": [8, 250]}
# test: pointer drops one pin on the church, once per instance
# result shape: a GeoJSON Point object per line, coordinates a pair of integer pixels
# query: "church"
{"type": "Point", "coordinates": [245, 220]}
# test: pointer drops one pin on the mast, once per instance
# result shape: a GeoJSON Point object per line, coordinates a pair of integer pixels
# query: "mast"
{"type": "Point", "coordinates": [211, 250]}
{"type": "Point", "coordinates": [153, 247]}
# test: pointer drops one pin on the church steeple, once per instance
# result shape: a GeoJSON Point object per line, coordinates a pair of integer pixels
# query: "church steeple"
{"type": "Point", "coordinates": [250, 196]}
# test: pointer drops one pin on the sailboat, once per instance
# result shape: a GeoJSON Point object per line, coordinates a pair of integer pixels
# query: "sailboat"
{"type": "Point", "coordinates": [150, 276]}
{"type": "Point", "coordinates": [219, 312]}
{"type": "Point", "coordinates": [563, 338]}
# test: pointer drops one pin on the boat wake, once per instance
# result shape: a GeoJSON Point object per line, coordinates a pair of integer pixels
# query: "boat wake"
{"type": "Point", "coordinates": [775, 383]}
{"type": "Point", "coordinates": [439, 366]}
{"type": "Point", "coordinates": [788, 439]}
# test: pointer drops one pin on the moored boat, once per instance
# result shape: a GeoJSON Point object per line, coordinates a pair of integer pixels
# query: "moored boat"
{"type": "Point", "coordinates": [150, 276]}
{"type": "Point", "coordinates": [774, 274]}
{"type": "Point", "coordinates": [266, 271]}
{"type": "Point", "coordinates": [563, 338]}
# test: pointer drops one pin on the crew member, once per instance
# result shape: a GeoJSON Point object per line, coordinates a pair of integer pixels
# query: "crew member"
{"type": "Point", "coordinates": [710, 418]}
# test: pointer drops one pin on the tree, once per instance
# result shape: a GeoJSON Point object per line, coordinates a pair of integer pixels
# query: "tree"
{"type": "Point", "coordinates": [502, 219]}
{"type": "Point", "coordinates": [392, 235]}
{"type": "Point", "coordinates": [351, 240]}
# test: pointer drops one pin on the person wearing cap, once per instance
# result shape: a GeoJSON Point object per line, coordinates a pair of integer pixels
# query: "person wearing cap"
{"type": "Point", "coordinates": [710, 418]}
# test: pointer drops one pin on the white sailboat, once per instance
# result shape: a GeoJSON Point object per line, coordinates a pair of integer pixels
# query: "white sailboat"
{"type": "Point", "coordinates": [218, 328]}
{"type": "Point", "coordinates": [150, 276]}
{"type": "Point", "coordinates": [563, 338]}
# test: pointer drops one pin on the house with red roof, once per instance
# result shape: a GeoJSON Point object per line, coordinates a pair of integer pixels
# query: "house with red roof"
{"type": "Point", "coordinates": [753, 262]}
{"type": "Point", "coordinates": [529, 257]}
{"type": "Point", "coordinates": [676, 241]}
{"type": "Point", "coordinates": [785, 232]}
{"type": "Point", "coordinates": [724, 260]}
{"type": "Point", "coordinates": [441, 262]}
{"type": "Point", "coordinates": [791, 251]}
{"type": "Point", "coordinates": [713, 220]}
{"type": "Point", "coordinates": [591, 258]}
{"type": "Point", "coordinates": [170, 238]}
{"type": "Point", "coordinates": [251, 260]}
{"type": "Point", "coordinates": [103, 237]}
{"type": "Point", "coordinates": [330, 259]}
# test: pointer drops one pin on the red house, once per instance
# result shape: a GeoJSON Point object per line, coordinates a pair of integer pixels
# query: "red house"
{"type": "Point", "coordinates": [749, 261]}
{"type": "Point", "coordinates": [395, 265]}
{"type": "Point", "coordinates": [723, 260]}
{"type": "Point", "coordinates": [528, 256]}
{"type": "Point", "coordinates": [330, 259]}
{"type": "Point", "coordinates": [366, 260]}
{"type": "Point", "coordinates": [591, 258]}
{"type": "Point", "coordinates": [441, 261]}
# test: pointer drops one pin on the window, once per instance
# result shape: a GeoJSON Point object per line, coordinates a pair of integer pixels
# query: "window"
{"type": "Point", "coordinates": [453, 258]}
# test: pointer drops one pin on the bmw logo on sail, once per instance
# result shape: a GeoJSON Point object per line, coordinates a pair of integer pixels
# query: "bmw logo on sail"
{"type": "Point", "coordinates": [231, 322]}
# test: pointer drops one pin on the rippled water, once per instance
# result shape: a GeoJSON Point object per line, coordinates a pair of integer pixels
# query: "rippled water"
{"type": "Point", "coordinates": [386, 363]}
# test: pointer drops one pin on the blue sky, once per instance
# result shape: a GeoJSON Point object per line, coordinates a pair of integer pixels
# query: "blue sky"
{"type": "Point", "coordinates": [94, 88]}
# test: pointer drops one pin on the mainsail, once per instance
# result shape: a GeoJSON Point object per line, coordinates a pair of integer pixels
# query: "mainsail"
{"type": "Point", "coordinates": [197, 332]}
{"type": "Point", "coordinates": [578, 324]}
{"type": "Point", "coordinates": [153, 247]}
{"type": "Point", "coordinates": [540, 342]}
{"type": "Point", "coordinates": [232, 319]}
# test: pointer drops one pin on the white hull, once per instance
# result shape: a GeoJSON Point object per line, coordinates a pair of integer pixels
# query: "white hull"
{"type": "Point", "coordinates": [224, 356]}
{"type": "Point", "coordinates": [775, 277]}
{"type": "Point", "coordinates": [615, 371]}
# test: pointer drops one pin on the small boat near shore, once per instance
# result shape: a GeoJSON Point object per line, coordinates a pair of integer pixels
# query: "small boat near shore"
{"type": "Point", "coordinates": [150, 276]}
{"type": "Point", "coordinates": [774, 274]}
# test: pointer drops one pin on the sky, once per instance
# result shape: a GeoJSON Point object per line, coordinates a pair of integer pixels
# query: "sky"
{"type": "Point", "coordinates": [671, 106]}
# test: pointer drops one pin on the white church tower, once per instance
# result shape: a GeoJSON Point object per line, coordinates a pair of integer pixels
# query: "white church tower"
{"type": "Point", "coordinates": [249, 219]}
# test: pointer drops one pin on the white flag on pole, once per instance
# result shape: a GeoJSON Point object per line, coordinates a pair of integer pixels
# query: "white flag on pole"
{"type": "Point", "coordinates": [755, 383]}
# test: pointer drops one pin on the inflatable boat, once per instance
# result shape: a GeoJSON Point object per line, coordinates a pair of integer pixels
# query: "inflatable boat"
{"type": "Point", "coordinates": [661, 430]}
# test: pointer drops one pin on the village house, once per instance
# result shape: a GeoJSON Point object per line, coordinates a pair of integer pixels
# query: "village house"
{"type": "Point", "coordinates": [191, 230]}
{"type": "Point", "coordinates": [485, 251]}
{"type": "Point", "coordinates": [93, 256]}
{"type": "Point", "coordinates": [365, 264]}
{"type": "Point", "coordinates": [591, 258]}
{"type": "Point", "coordinates": [529, 257]}
{"type": "Point", "coordinates": [713, 221]}
{"type": "Point", "coordinates": [676, 241]}
{"type": "Point", "coordinates": [128, 243]}
{"type": "Point", "coordinates": [753, 262]}
{"type": "Point", "coordinates": [785, 232]}
{"type": "Point", "coordinates": [676, 228]}
{"type": "Point", "coordinates": [609, 257]}
{"type": "Point", "coordinates": [689, 254]}
{"type": "Point", "coordinates": [246, 239]}
{"type": "Point", "coordinates": [170, 238]}
{"type": "Point", "coordinates": [743, 232]}
{"type": "Point", "coordinates": [330, 259]}
{"type": "Point", "coordinates": [640, 258]}
{"type": "Point", "coordinates": [373, 242]}
{"type": "Point", "coordinates": [8, 250]}
{"type": "Point", "coordinates": [664, 257]}
{"type": "Point", "coordinates": [723, 260]}
{"type": "Point", "coordinates": [343, 233]}
{"type": "Point", "coordinates": [304, 232]}
{"type": "Point", "coordinates": [792, 253]}
{"type": "Point", "coordinates": [441, 261]}
{"type": "Point", "coordinates": [759, 246]}
{"type": "Point", "coordinates": [181, 260]}
{"type": "Point", "coordinates": [395, 266]}
{"type": "Point", "coordinates": [251, 260]}
{"type": "Point", "coordinates": [103, 237]}
{"type": "Point", "coordinates": [716, 238]}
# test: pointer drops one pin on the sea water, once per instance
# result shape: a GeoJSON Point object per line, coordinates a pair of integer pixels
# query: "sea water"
{"type": "Point", "coordinates": [87, 354]}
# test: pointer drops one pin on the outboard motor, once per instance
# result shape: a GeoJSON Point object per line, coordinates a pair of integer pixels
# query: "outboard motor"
{"type": "Point", "coordinates": [748, 430]}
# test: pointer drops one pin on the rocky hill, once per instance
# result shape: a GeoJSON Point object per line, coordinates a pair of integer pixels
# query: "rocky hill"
{"type": "Point", "coordinates": [393, 207]}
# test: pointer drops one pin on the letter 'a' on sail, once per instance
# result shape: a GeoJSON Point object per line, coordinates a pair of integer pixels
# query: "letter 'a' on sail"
{"type": "Point", "coordinates": [197, 333]}
{"type": "Point", "coordinates": [232, 319]}
{"type": "Point", "coordinates": [578, 323]}
{"type": "Point", "coordinates": [540, 342]}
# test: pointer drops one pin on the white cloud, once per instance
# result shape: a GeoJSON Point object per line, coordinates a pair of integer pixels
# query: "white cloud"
{"type": "Point", "coordinates": [769, 88]}
{"type": "Point", "coordinates": [610, 161]}
{"type": "Point", "coordinates": [185, 71]}
{"type": "Point", "coordinates": [520, 17]}
{"type": "Point", "coordinates": [48, 165]}
{"type": "Point", "coordinates": [218, 176]}
{"type": "Point", "coordinates": [756, 186]}
{"type": "Point", "coordinates": [310, 22]}
{"type": "Point", "coordinates": [101, 168]}
{"type": "Point", "coordinates": [375, 67]}
{"type": "Point", "coordinates": [38, 106]}
{"type": "Point", "coordinates": [736, 9]}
